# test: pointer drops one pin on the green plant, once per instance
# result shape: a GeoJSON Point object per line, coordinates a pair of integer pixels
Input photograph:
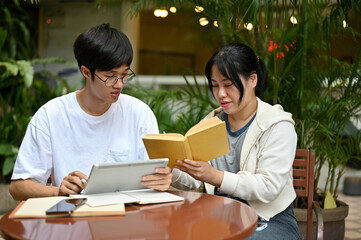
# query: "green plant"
{"type": "Point", "coordinates": [22, 91]}
{"type": "Point", "coordinates": [17, 23]}
{"type": "Point", "coordinates": [334, 109]}
{"type": "Point", "coordinates": [320, 91]}
{"type": "Point", "coordinates": [9, 152]}
{"type": "Point", "coordinates": [179, 109]}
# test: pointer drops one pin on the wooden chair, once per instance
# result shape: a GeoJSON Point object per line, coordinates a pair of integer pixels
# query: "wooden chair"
{"type": "Point", "coordinates": [303, 182]}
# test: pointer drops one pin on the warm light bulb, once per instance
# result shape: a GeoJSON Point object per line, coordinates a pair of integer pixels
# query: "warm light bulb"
{"type": "Point", "coordinates": [157, 12]}
{"type": "Point", "coordinates": [344, 23]}
{"type": "Point", "coordinates": [215, 23]}
{"type": "Point", "coordinates": [293, 20]}
{"type": "Point", "coordinates": [203, 21]}
{"type": "Point", "coordinates": [164, 13]}
{"type": "Point", "coordinates": [248, 26]}
{"type": "Point", "coordinates": [160, 13]}
{"type": "Point", "coordinates": [173, 9]}
{"type": "Point", "coordinates": [198, 9]}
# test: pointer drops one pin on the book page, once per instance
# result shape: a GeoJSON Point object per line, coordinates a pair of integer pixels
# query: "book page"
{"type": "Point", "coordinates": [106, 210]}
{"type": "Point", "coordinates": [204, 125]}
{"type": "Point", "coordinates": [164, 148]}
{"type": "Point", "coordinates": [103, 199]}
{"type": "Point", "coordinates": [152, 196]}
{"type": "Point", "coordinates": [209, 143]}
{"type": "Point", "coordinates": [195, 145]}
{"type": "Point", "coordinates": [167, 136]}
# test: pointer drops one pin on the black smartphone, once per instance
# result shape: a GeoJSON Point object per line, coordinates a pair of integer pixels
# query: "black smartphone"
{"type": "Point", "coordinates": [66, 206]}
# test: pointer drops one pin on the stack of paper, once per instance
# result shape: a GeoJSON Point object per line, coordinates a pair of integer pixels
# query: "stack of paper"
{"type": "Point", "coordinates": [36, 208]}
{"type": "Point", "coordinates": [103, 204]}
{"type": "Point", "coordinates": [142, 196]}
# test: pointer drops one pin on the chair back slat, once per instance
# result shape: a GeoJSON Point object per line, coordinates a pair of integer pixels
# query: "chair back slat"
{"type": "Point", "coordinates": [300, 183]}
{"type": "Point", "coordinates": [301, 192]}
{"type": "Point", "coordinates": [301, 173]}
{"type": "Point", "coordinates": [300, 162]}
{"type": "Point", "coordinates": [303, 180]}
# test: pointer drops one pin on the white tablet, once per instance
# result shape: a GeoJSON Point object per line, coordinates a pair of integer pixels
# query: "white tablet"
{"type": "Point", "coordinates": [120, 176]}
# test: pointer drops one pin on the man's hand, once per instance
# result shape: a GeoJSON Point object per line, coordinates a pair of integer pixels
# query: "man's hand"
{"type": "Point", "coordinates": [160, 180]}
{"type": "Point", "coordinates": [201, 171]}
{"type": "Point", "coordinates": [73, 183]}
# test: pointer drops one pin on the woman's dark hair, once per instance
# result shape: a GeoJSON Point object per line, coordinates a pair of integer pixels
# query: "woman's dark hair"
{"type": "Point", "coordinates": [234, 59]}
{"type": "Point", "coordinates": [103, 48]}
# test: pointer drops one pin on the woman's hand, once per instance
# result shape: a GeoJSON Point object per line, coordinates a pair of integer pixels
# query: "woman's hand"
{"type": "Point", "coordinates": [201, 171]}
{"type": "Point", "coordinates": [160, 180]}
{"type": "Point", "coordinates": [73, 183]}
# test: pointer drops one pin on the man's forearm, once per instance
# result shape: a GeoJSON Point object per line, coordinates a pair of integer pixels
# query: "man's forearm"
{"type": "Point", "coordinates": [24, 189]}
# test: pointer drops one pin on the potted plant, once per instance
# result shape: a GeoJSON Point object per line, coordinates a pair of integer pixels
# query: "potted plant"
{"type": "Point", "coordinates": [334, 150]}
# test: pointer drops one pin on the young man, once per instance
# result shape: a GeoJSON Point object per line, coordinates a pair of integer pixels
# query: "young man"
{"type": "Point", "coordinates": [95, 124]}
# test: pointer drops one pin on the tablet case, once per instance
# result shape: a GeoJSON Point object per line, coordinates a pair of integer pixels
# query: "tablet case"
{"type": "Point", "coordinates": [121, 176]}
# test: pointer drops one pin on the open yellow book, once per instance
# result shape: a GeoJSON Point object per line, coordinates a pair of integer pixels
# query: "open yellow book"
{"type": "Point", "coordinates": [203, 142]}
{"type": "Point", "coordinates": [36, 208]}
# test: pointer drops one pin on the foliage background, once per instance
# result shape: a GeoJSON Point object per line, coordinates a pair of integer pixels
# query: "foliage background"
{"type": "Point", "coordinates": [321, 91]}
{"type": "Point", "coordinates": [22, 91]}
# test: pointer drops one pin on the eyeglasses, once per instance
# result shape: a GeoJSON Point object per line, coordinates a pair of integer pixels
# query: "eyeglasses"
{"type": "Point", "coordinates": [111, 81]}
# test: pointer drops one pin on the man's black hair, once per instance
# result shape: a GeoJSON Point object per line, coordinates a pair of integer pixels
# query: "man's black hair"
{"type": "Point", "coordinates": [103, 48]}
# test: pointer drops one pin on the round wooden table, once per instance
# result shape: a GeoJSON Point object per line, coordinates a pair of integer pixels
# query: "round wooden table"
{"type": "Point", "coordinates": [199, 216]}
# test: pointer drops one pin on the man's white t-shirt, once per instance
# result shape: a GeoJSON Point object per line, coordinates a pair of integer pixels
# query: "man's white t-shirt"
{"type": "Point", "coordinates": [62, 138]}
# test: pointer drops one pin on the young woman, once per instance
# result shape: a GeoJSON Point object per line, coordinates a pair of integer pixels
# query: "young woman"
{"type": "Point", "coordinates": [262, 143]}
